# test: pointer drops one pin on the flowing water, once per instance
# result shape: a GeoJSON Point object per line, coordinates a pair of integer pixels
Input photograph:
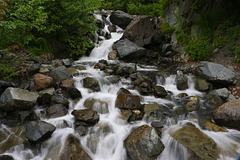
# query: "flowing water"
{"type": "Point", "coordinates": [109, 145]}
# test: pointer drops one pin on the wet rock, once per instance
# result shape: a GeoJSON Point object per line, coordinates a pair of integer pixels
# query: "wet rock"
{"type": "Point", "coordinates": [125, 69]}
{"type": "Point", "coordinates": [73, 150]}
{"type": "Point", "coordinates": [193, 104]}
{"type": "Point", "coordinates": [214, 101]}
{"type": "Point", "coordinates": [91, 83]}
{"type": "Point", "coordinates": [81, 130]}
{"type": "Point", "coordinates": [112, 55]}
{"type": "Point", "coordinates": [59, 100]}
{"type": "Point", "coordinates": [97, 105]}
{"type": "Point", "coordinates": [149, 108]}
{"type": "Point", "coordinates": [80, 67]}
{"type": "Point", "coordinates": [128, 50]}
{"type": "Point", "coordinates": [216, 72]}
{"type": "Point", "coordinates": [73, 71]}
{"type": "Point", "coordinates": [181, 110]}
{"type": "Point", "coordinates": [166, 48]}
{"type": "Point", "coordinates": [136, 115]}
{"type": "Point", "coordinates": [56, 110]}
{"type": "Point", "coordinates": [157, 124]}
{"type": "Point", "coordinates": [44, 99]}
{"type": "Point", "coordinates": [123, 90]}
{"type": "Point", "coordinates": [201, 85]}
{"type": "Point", "coordinates": [181, 81]}
{"type": "Point", "coordinates": [144, 143]}
{"type": "Point", "coordinates": [26, 116]}
{"type": "Point", "coordinates": [120, 18]}
{"type": "Point", "coordinates": [6, 157]}
{"type": "Point", "coordinates": [140, 31]}
{"type": "Point", "coordinates": [39, 131]}
{"type": "Point", "coordinates": [17, 99]}
{"type": "Point", "coordinates": [44, 70]}
{"type": "Point", "coordinates": [42, 82]}
{"type": "Point", "coordinates": [222, 93]}
{"type": "Point", "coordinates": [159, 91]}
{"type": "Point", "coordinates": [107, 35]}
{"type": "Point", "coordinates": [112, 28]}
{"type": "Point", "coordinates": [228, 114]}
{"type": "Point", "coordinates": [67, 62]}
{"type": "Point", "coordinates": [33, 68]}
{"type": "Point", "coordinates": [74, 93]}
{"type": "Point", "coordinates": [68, 83]}
{"type": "Point", "coordinates": [196, 141]}
{"type": "Point", "coordinates": [182, 95]}
{"type": "Point", "coordinates": [127, 101]}
{"type": "Point", "coordinates": [213, 127]}
{"type": "Point", "coordinates": [60, 74]}
{"type": "Point", "coordinates": [86, 115]}
{"type": "Point", "coordinates": [125, 114]}
{"type": "Point", "coordinates": [57, 63]}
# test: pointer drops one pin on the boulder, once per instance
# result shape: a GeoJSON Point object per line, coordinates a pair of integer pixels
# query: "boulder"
{"type": "Point", "coordinates": [197, 142]}
{"type": "Point", "coordinates": [49, 91]}
{"type": "Point", "coordinates": [68, 83]}
{"type": "Point", "coordinates": [56, 110]}
{"type": "Point", "coordinates": [73, 150]}
{"type": "Point", "coordinates": [213, 127]}
{"type": "Point", "coordinates": [26, 116]}
{"type": "Point", "coordinates": [125, 69]}
{"type": "Point", "coordinates": [60, 74]}
{"type": "Point", "coordinates": [123, 90]}
{"type": "Point", "coordinates": [216, 73]}
{"type": "Point", "coordinates": [120, 18]}
{"type": "Point", "coordinates": [91, 83]}
{"type": "Point", "coordinates": [127, 101]}
{"type": "Point", "coordinates": [112, 28]}
{"type": "Point", "coordinates": [181, 81]}
{"type": "Point", "coordinates": [6, 157]}
{"type": "Point", "coordinates": [144, 143]}
{"type": "Point", "coordinates": [228, 114]}
{"type": "Point", "coordinates": [193, 104]}
{"type": "Point", "coordinates": [128, 50]}
{"type": "Point", "coordinates": [159, 91]}
{"type": "Point", "coordinates": [201, 85]}
{"type": "Point", "coordinates": [125, 114]}
{"type": "Point", "coordinates": [74, 93]}
{"type": "Point", "coordinates": [97, 105]}
{"type": "Point", "coordinates": [39, 131]}
{"type": "Point", "coordinates": [112, 55]}
{"type": "Point", "coordinates": [86, 115]}
{"type": "Point", "coordinates": [150, 108]}
{"type": "Point", "coordinates": [59, 100]}
{"type": "Point", "coordinates": [14, 99]}
{"type": "Point", "coordinates": [222, 93]}
{"type": "Point", "coordinates": [44, 99]}
{"type": "Point", "coordinates": [140, 31]}
{"type": "Point", "coordinates": [67, 62]}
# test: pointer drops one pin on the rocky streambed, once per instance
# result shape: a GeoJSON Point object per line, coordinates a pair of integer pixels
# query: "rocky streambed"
{"type": "Point", "coordinates": [128, 100]}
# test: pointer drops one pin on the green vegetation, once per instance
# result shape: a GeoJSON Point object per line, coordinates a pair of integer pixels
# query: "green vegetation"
{"type": "Point", "coordinates": [48, 25]}
{"type": "Point", "coordinates": [7, 71]}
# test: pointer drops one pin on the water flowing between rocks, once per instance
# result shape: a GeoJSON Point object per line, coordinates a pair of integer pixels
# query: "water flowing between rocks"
{"type": "Point", "coordinates": [105, 140]}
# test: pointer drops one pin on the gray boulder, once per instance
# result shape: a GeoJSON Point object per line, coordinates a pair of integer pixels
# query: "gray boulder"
{"type": "Point", "coordinates": [128, 50]}
{"type": "Point", "coordinates": [222, 93]}
{"type": "Point", "coordinates": [39, 131]}
{"type": "Point", "coordinates": [144, 143]}
{"type": "Point", "coordinates": [97, 105]}
{"type": "Point", "coordinates": [91, 83]}
{"type": "Point", "coordinates": [86, 115]}
{"type": "Point", "coordinates": [201, 84]}
{"type": "Point", "coordinates": [120, 18]}
{"type": "Point", "coordinates": [216, 72]}
{"type": "Point", "coordinates": [56, 110]}
{"type": "Point", "coordinates": [140, 31]}
{"type": "Point", "coordinates": [60, 73]}
{"type": "Point", "coordinates": [17, 99]}
{"type": "Point", "coordinates": [59, 100]}
{"type": "Point", "coordinates": [181, 81]}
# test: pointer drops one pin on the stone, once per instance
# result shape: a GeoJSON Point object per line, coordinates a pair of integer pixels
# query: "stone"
{"type": "Point", "coordinates": [73, 71]}
{"type": "Point", "coordinates": [112, 28]}
{"type": "Point", "coordinates": [6, 157]}
{"type": "Point", "coordinates": [159, 91]}
{"type": "Point", "coordinates": [196, 141]}
{"type": "Point", "coordinates": [81, 130]}
{"type": "Point", "coordinates": [39, 131]}
{"type": "Point", "coordinates": [26, 116]}
{"type": "Point", "coordinates": [14, 99]}
{"type": "Point", "coordinates": [44, 70]}
{"type": "Point", "coordinates": [216, 73]}
{"type": "Point", "coordinates": [91, 83]}
{"type": "Point", "coordinates": [74, 93]}
{"type": "Point", "coordinates": [112, 55]}
{"type": "Point", "coordinates": [97, 105]}
{"type": "Point", "coordinates": [181, 81]}
{"type": "Point", "coordinates": [68, 83]}
{"type": "Point", "coordinates": [33, 68]}
{"type": "Point", "coordinates": [144, 143]}
{"type": "Point", "coordinates": [125, 114]}
{"type": "Point", "coordinates": [201, 85]}
{"type": "Point", "coordinates": [222, 93]}
{"type": "Point", "coordinates": [42, 82]}
{"type": "Point", "coordinates": [157, 124]}
{"type": "Point", "coordinates": [127, 101]}
{"type": "Point", "coordinates": [213, 127]}
{"type": "Point", "coordinates": [44, 99]}
{"type": "Point", "coordinates": [49, 91]}
{"type": "Point", "coordinates": [86, 115]}
{"type": "Point", "coordinates": [80, 67]}
{"type": "Point", "coordinates": [47, 66]}
{"type": "Point", "coordinates": [120, 18]}
{"type": "Point", "coordinates": [140, 31]}
{"type": "Point", "coordinates": [228, 114]}
{"type": "Point", "coordinates": [214, 101]}
{"type": "Point", "coordinates": [124, 69]}
{"type": "Point", "coordinates": [166, 48]}
{"type": "Point", "coordinates": [193, 104]}
{"type": "Point", "coordinates": [57, 62]}
{"type": "Point", "coordinates": [56, 110]}
{"type": "Point", "coordinates": [59, 100]}
{"type": "Point", "coordinates": [149, 108]}
{"type": "Point", "coordinates": [128, 50]}
{"type": "Point", "coordinates": [123, 90]}
{"type": "Point", "coordinates": [67, 62]}
{"type": "Point", "coordinates": [60, 74]}
{"type": "Point", "coordinates": [73, 150]}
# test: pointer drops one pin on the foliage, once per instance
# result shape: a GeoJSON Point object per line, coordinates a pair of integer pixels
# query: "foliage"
{"type": "Point", "coordinates": [44, 25]}
{"type": "Point", "coordinates": [237, 54]}
{"type": "Point", "coordinates": [166, 28]}
{"type": "Point", "coordinates": [7, 72]}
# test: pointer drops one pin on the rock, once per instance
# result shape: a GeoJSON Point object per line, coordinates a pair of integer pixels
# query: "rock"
{"type": "Point", "coordinates": [181, 81]}
{"type": "Point", "coordinates": [159, 91]}
{"type": "Point", "coordinates": [39, 131]}
{"type": "Point", "coordinates": [56, 110]}
{"type": "Point", "coordinates": [228, 114]}
{"type": "Point", "coordinates": [136, 115]}
{"type": "Point", "coordinates": [91, 83]}
{"type": "Point", "coordinates": [144, 143]}
{"type": "Point", "coordinates": [74, 93]}
{"type": "Point", "coordinates": [149, 108]}
{"type": "Point", "coordinates": [42, 82]}
{"type": "Point", "coordinates": [112, 55]}
{"type": "Point", "coordinates": [216, 73]}
{"type": "Point", "coordinates": [193, 104]}
{"type": "Point", "coordinates": [4, 85]}
{"type": "Point", "coordinates": [47, 66]}
{"type": "Point", "coordinates": [123, 90]}
{"type": "Point", "coordinates": [166, 48]}
{"type": "Point", "coordinates": [57, 63]}
{"type": "Point", "coordinates": [26, 116]}
{"type": "Point", "coordinates": [60, 74]}
{"type": "Point", "coordinates": [157, 124]}
{"type": "Point", "coordinates": [214, 101]}
{"type": "Point", "coordinates": [67, 62]}
{"type": "Point", "coordinates": [97, 105]}
{"type": "Point", "coordinates": [33, 68]}
{"type": "Point", "coordinates": [68, 83]}
{"type": "Point", "coordinates": [107, 35]}
{"type": "Point", "coordinates": [44, 70]}
{"type": "Point", "coordinates": [44, 99]}
{"type": "Point", "coordinates": [127, 101]}
{"type": "Point", "coordinates": [81, 130]}
{"type": "Point", "coordinates": [73, 150]}
{"type": "Point", "coordinates": [49, 91]}
{"type": "Point", "coordinates": [201, 85]}
{"type": "Point", "coordinates": [182, 95]}
{"type": "Point", "coordinates": [86, 115]}
{"type": "Point", "coordinates": [80, 67]}
{"type": "Point", "coordinates": [17, 99]}
{"type": "Point", "coordinates": [120, 18]}
{"type": "Point", "coordinates": [222, 93]}
{"type": "Point", "coordinates": [112, 28]}
{"type": "Point", "coordinates": [213, 127]}
{"type": "Point", "coordinates": [128, 50]}
{"type": "Point", "coordinates": [140, 31]}
{"type": "Point", "coordinates": [125, 69]}
{"type": "Point", "coordinates": [73, 71]}
{"type": "Point", "coordinates": [59, 100]}
{"type": "Point", "coordinates": [196, 141]}
{"type": "Point", "coordinates": [125, 114]}
{"type": "Point", "coordinates": [6, 157]}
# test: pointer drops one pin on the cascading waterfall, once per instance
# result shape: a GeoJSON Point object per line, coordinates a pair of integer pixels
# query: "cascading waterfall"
{"type": "Point", "coordinates": [101, 145]}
